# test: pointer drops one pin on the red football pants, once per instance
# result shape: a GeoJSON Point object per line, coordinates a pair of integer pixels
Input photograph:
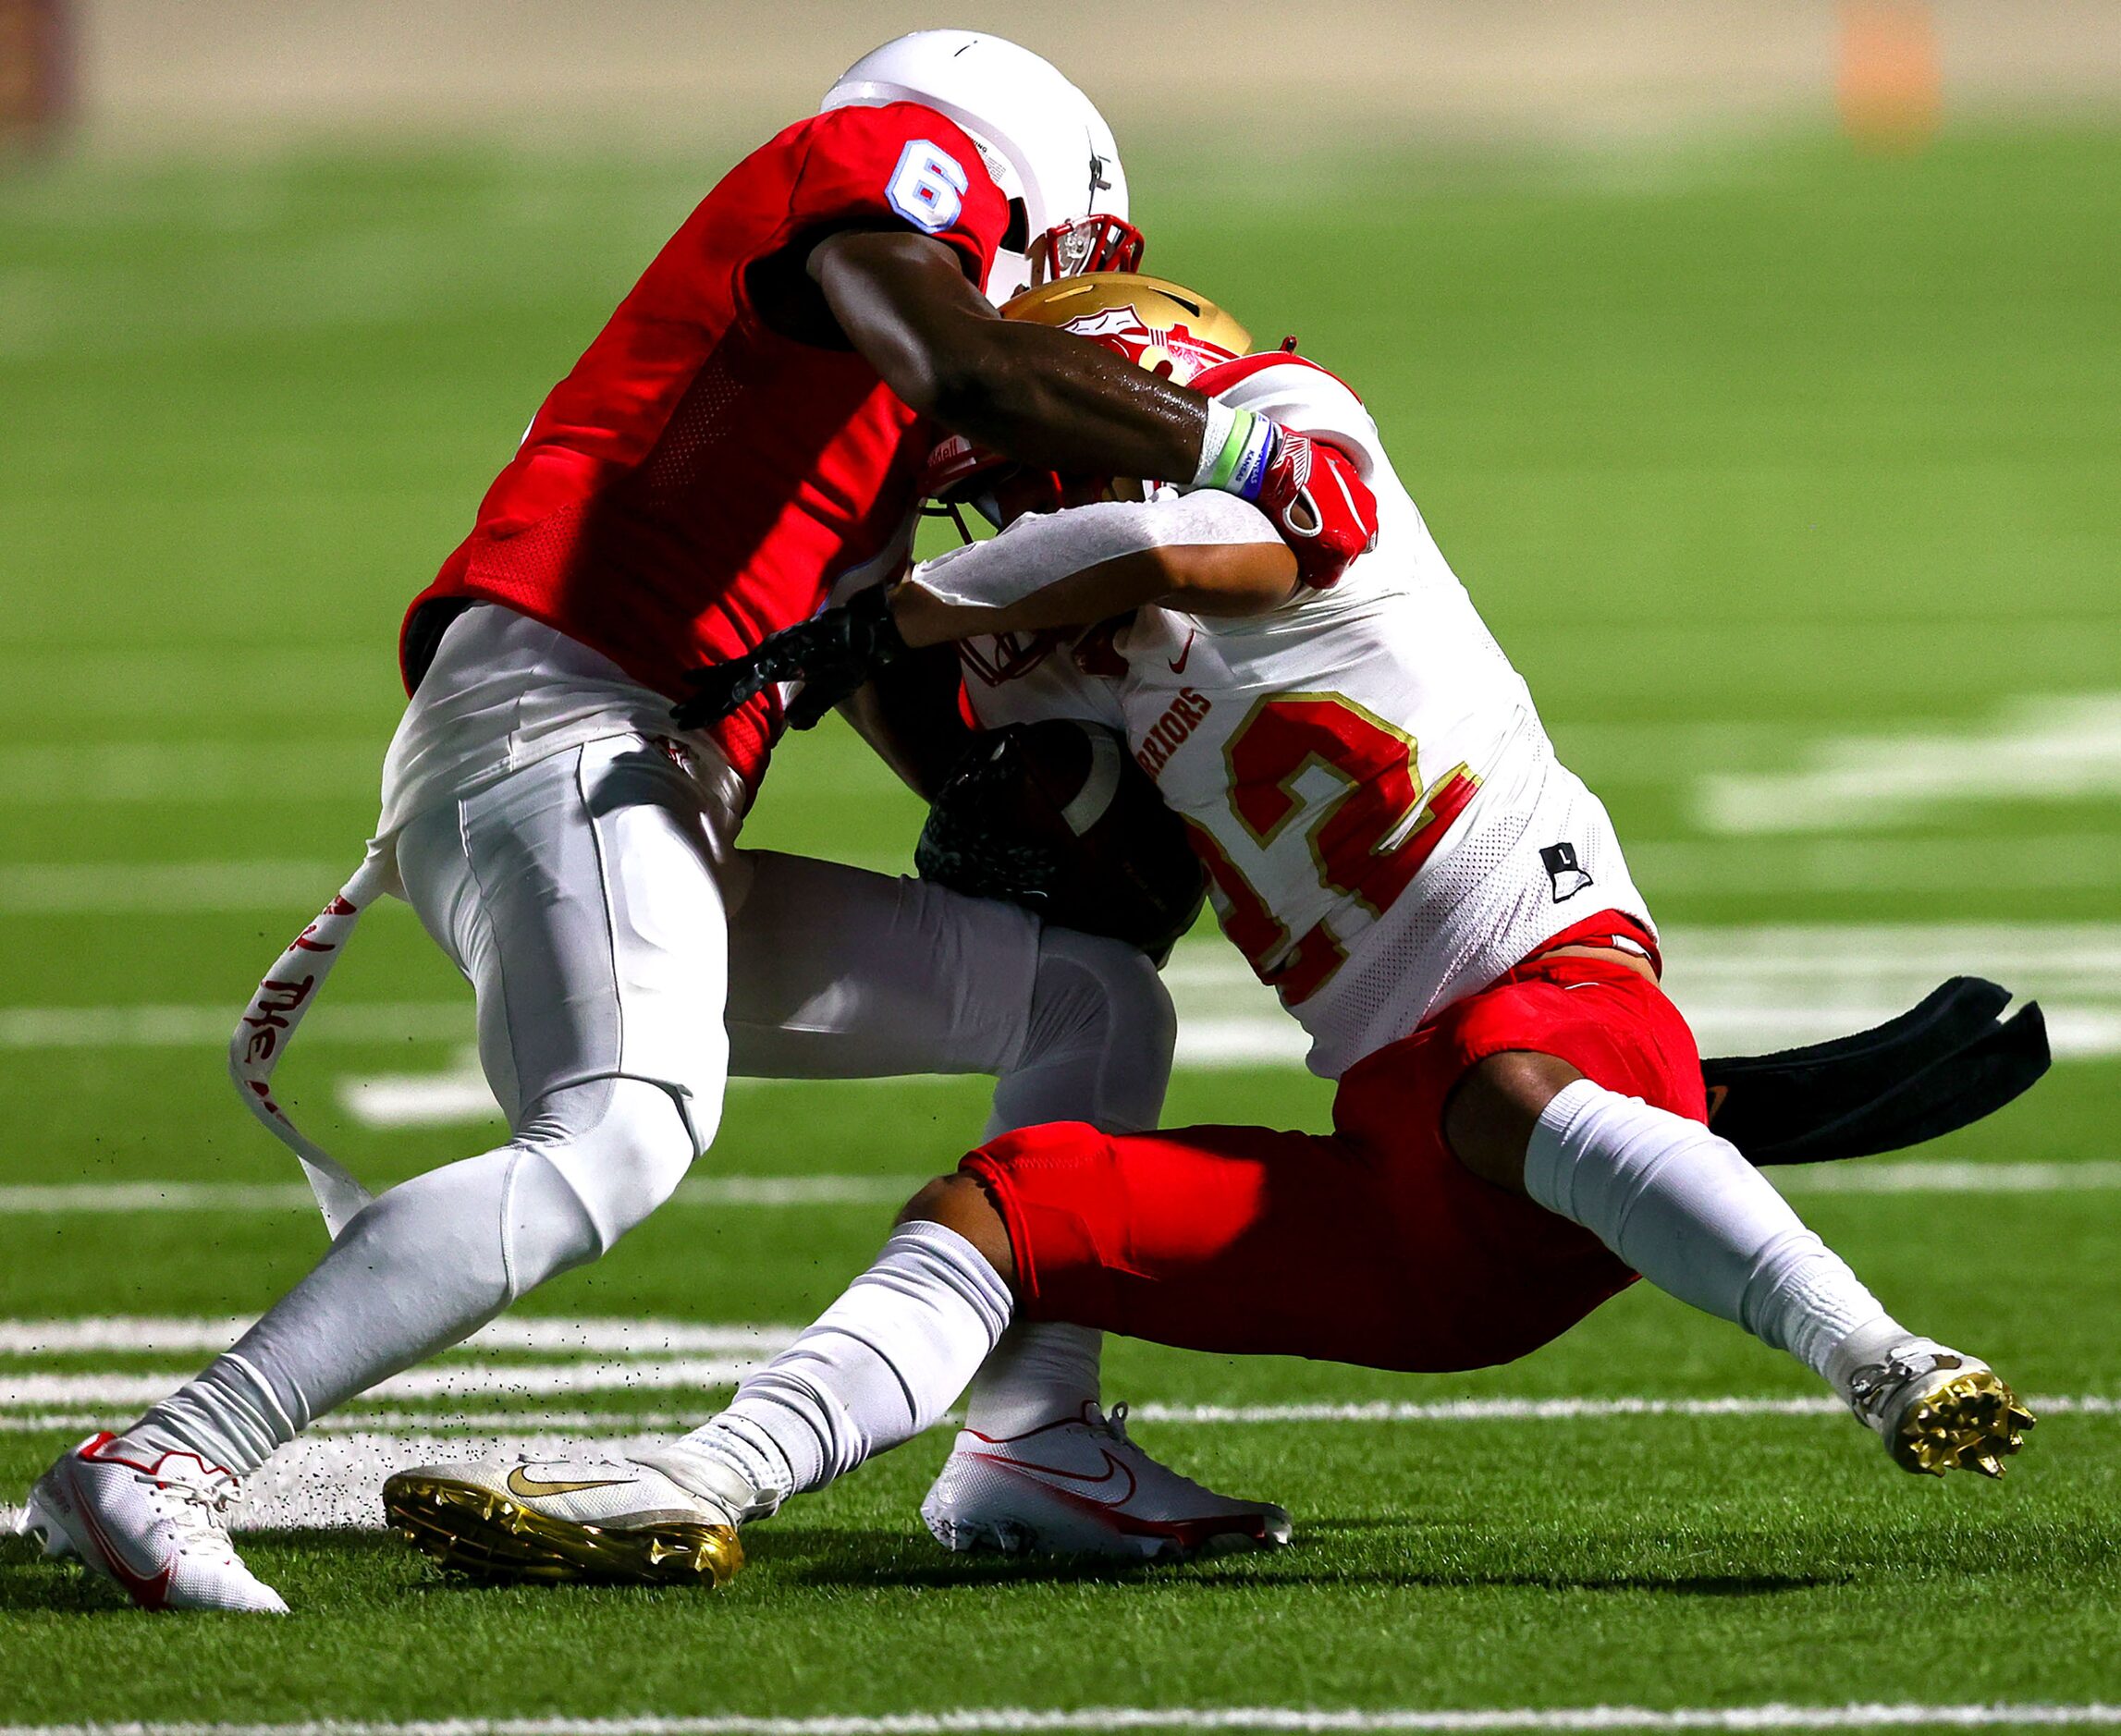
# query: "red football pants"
{"type": "Point", "coordinates": [1372, 1245]}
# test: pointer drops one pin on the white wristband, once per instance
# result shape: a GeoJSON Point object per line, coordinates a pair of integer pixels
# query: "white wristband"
{"type": "Point", "coordinates": [1222, 419]}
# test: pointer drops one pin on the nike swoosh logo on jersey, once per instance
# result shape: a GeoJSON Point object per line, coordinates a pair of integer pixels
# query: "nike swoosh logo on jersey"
{"type": "Point", "coordinates": [530, 1488]}
{"type": "Point", "coordinates": [1075, 1483]}
{"type": "Point", "coordinates": [1178, 663]}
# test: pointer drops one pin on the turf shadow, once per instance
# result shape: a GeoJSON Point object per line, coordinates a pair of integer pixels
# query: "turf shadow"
{"type": "Point", "coordinates": [1230, 1572]}
{"type": "Point", "coordinates": [837, 1556]}
{"type": "Point", "coordinates": [29, 1584]}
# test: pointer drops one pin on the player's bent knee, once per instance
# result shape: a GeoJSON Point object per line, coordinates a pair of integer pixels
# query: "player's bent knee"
{"type": "Point", "coordinates": [959, 1203]}
{"type": "Point", "coordinates": [1489, 1118]}
{"type": "Point", "coordinates": [618, 1148]}
{"type": "Point", "coordinates": [1102, 997]}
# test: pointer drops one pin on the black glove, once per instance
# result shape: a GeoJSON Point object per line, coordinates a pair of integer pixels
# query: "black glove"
{"type": "Point", "coordinates": [831, 654]}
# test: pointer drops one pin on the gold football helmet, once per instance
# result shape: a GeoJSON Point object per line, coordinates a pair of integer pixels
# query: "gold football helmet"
{"type": "Point", "coordinates": [1163, 325]}
{"type": "Point", "coordinates": [1160, 325]}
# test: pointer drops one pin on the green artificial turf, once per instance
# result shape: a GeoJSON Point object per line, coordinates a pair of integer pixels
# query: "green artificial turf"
{"type": "Point", "coordinates": [1742, 451]}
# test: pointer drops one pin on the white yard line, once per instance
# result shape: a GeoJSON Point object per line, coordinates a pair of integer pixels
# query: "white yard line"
{"type": "Point", "coordinates": [159, 1027]}
{"type": "Point", "coordinates": [1767, 867]}
{"type": "Point", "coordinates": [771, 1192]}
{"type": "Point", "coordinates": [1763, 866]}
{"type": "Point", "coordinates": [35, 1200]}
{"type": "Point", "coordinates": [1919, 1176]}
{"type": "Point", "coordinates": [20, 1390]}
{"type": "Point", "coordinates": [1744, 988]}
{"type": "Point", "coordinates": [454, 1427]}
{"type": "Point", "coordinates": [615, 1334]}
{"type": "Point", "coordinates": [186, 772]}
{"type": "Point", "coordinates": [2036, 749]}
{"type": "Point", "coordinates": [1298, 1720]}
{"type": "Point", "coordinates": [107, 888]}
{"type": "Point", "coordinates": [459, 1094]}
{"type": "Point", "coordinates": [787, 1192]}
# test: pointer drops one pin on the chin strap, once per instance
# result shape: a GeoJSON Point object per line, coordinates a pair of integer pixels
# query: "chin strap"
{"type": "Point", "coordinates": [277, 1005]}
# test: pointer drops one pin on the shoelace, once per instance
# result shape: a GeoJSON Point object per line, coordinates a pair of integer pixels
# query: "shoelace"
{"type": "Point", "coordinates": [1869, 1388]}
{"type": "Point", "coordinates": [197, 1511]}
{"type": "Point", "coordinates": [1113, 1424]}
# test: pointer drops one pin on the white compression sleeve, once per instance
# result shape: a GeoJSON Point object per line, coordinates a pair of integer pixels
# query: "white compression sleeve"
{"type": "Point", "coordinates": [879, 1366]}
{"type": "Point", "coordinates": [429, 1262]}
{"type": "Point", "coordinates": [1041, 548]}
{"type": "Point", "coordinates": [1685, 1209]}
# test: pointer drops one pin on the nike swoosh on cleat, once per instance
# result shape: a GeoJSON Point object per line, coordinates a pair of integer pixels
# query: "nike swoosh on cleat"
{"type": "Point", "coordinates": [530, 1488]}
{"type": "Point", "coordinates": [1178, 663]}
{"type": "Point", "coordinates": [1074, 1483]}
{"type": "Point", "coordinates": [150, 1591]}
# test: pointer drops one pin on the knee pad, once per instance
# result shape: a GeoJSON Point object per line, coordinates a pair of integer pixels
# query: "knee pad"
{"type": "Point", "coordinates": [1099, 1003]}
{"type": "Point", "coordinates": [593, 1160]}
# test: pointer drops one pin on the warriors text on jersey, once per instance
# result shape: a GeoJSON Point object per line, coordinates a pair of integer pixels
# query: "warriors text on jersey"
{"type": "Point", "coordinates": [1362, 770]}
{"type": "Point", "coordinates": [700, 477]}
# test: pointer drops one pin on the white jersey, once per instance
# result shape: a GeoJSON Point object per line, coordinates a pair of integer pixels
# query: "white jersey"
{"type": "Point", "coordinates": [1363, 772]}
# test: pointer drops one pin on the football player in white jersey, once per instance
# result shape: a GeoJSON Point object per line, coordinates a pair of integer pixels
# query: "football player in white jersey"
{"type": "Point", "coordinates": [1519, 1125]}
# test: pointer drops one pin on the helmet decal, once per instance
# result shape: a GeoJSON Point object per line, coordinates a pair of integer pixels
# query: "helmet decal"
{"type": "Point", "coordinates": [1172, 349]}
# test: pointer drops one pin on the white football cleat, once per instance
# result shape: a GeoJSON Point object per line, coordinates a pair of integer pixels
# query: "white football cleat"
{"type": "Point", "coordinates": [1939, 1410]}
{"type": "Point", "coordinates": [1080, 1486]}
{"type": "Point", "coordinates": [576, 1519]}
{"type": "Point", "coordinates": [156, 1526]}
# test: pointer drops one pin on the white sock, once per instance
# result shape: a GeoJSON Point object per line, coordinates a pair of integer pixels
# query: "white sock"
{"type": "Point", "coordinates": [429, 1263]}
{"type": "Point", "coordinates": [1685, 1209]}
{"type": "Point", "coordinates": [229, 1417]}
{"type": "Point", "coordinates": [880, 1365]}
{"type": "Point", "coordinates": [1040, 1372]}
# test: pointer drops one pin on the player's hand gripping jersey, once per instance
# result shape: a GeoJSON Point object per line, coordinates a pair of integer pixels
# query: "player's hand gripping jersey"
{"type": "Point", "coordinates": [1362, 770]}
{"type": "Point", "coordinates": [700, 477]}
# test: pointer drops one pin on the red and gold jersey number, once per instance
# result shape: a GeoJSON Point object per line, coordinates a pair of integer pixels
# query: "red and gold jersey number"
{"type": "Point", "coordinates": [1368, 842]}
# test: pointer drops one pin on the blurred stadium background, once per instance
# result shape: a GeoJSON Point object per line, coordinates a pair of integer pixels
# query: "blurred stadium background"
{"type": "Point", "coordinates": [246, 73]}
{"type": "Point", "coordinates": [1758, 367]}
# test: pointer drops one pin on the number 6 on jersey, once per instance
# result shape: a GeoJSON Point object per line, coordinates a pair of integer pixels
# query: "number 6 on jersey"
{"type": "Point", "coordinates": [928, 188]}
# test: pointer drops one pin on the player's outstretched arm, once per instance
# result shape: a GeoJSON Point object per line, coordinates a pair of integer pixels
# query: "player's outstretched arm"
{"type": "Point", "coordinates": [1048, 399]}
{"type": "Point", "coordinates": [1207, 554]}
{"type": "Point", "coordinates": [1031, 392]}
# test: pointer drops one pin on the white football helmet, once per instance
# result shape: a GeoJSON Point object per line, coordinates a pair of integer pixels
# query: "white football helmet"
{"type": "Point", "coordinates": [1041, 139]}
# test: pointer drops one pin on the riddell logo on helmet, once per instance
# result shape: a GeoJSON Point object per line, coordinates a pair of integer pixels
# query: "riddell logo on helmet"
{"type": "Point", "coordinates": [1172, 349]}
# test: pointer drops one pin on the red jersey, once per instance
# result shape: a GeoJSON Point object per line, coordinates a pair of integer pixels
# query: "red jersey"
{"type": "Point", "coordinates": [699, 479]}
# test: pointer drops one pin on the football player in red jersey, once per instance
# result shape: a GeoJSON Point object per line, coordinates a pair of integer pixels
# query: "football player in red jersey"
{"type": "Point", "coordinates": [1519, 1113]}
{"type": "Point", "coordinates": [744, 437]}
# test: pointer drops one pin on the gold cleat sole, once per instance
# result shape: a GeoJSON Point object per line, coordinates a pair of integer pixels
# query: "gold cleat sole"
{"type": "Point", "coordinates": [469, 1529]}
{"type": "Point", "coordinates": [1970, 1422]}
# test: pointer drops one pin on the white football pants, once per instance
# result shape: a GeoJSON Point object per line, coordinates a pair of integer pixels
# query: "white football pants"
{"type": "Point", "coordinates": [607, 927]}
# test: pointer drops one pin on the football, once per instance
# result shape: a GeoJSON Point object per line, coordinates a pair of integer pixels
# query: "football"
{"type": "Point", "coordinates": [1056, 816]}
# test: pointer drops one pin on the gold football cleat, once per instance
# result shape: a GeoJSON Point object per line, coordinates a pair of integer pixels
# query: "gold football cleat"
{"type": "Point", "coordinates": [1936, 1408]}
{"type": "Point", "coordinates": [1968, 1421]}
{"type": "Point", "coordinates": [470, 1520]}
